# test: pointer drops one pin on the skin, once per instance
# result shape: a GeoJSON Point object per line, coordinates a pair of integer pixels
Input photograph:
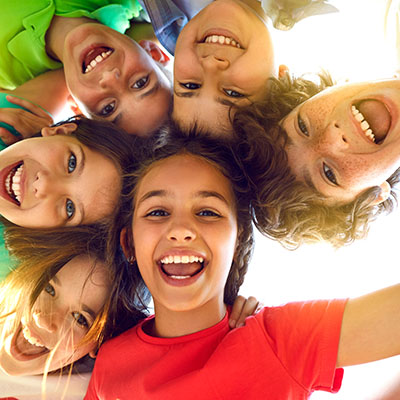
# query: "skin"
{"type": "Point", "coordinates": [188, 217]}
{"type": "Point", "coordinates": [60, 181]}
{"type": "Point", "coordinates": [174, 221]}
{"type": "Point", "coordinates": [332, 144]}
{"type": "Point", "coordinates": [61, 317]}
{"type": "Point", "coordinates": [210, 77]}
{"type": "Point", "coordinates": [121, 88]}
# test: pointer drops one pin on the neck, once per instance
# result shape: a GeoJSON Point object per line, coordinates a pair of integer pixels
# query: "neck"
{"type": "Point", "coordinates": [169, 323]}
{"type": "Point", "coordinates": [57, 32]}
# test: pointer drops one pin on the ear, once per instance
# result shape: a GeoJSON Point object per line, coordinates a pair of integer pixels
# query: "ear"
{"type": "Point", "coordinates": [154, 51]}
{"type": "Point", "coordinates": [125, 239]}
{"type": "Point", "coordinates": [384, 194]}
{"type": "Point", "coordinates": [92, 354]}
{"type": "Point", "coordinates": [283, 70]}
{"type": "Point", "coordinates": [73, 106]}
{"type": "Point", "coordinates": [64, 129]}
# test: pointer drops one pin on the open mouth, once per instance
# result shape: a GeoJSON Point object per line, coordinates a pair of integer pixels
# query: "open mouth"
{"type": "Point", "coordinates": [374, 119]}
{"type": "Point", "coordinates": [223, 40]}
{"type": "Point", "coordinates": [181, 267]}
{"type": "Point", "coordinates": [26, 347]}
{"type": "Point", "coordinates": [94, 57]}
{"type": "Point", "coordinates": [12, 183]}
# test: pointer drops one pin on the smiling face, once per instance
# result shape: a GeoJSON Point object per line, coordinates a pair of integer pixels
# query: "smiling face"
{"type": "Point", "coordinates": [223, 56]}
{"type": "Point", "coordinates": [184, 232]}
{"type": "Point", "coordinates": [346, 139]}
{"type": "Point", "coordinates": [55, 181]}
{"type": "Point", "coordinates": [112, 77]}
{"type": "Point", "coordinates": [61, 316]}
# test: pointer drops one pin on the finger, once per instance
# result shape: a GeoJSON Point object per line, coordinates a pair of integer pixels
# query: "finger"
{"type": "Point", "coordinates": [7, 137]}
{"type": "Point", "coordinates": [33, 108]}
{"type": "Point", "coordinates": [236, 310]}
{"type": "Point", "coordinates": [249, 308]}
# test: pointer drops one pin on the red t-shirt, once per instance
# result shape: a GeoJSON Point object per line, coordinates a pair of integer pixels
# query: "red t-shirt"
{"type": "Point", "coordinates": [282, 352]}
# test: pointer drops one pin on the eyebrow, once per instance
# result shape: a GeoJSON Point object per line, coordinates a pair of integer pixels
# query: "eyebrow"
{"type": "Point", "coordinates": [89, 311]}
{"type": "Point", "coordinates": [186, 94]}
{"type": "Point", "coordinates": [56, 280]}
{"type": "Point", "coordinates": [201, 193]}
{"type": "Point", "coordinates": [308, 180]}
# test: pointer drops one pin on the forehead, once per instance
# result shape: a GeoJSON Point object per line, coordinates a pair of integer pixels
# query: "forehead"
{"type": "Point", "coordinates": [175, 174]}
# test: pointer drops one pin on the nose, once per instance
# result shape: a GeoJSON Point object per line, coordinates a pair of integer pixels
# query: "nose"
{"type": "Point", "coordinates": [214, 62]}
{"type": "Point", "coordinates": [181, 231]}
{"type": "Point", "coordinates": [46, 183]}
{"type": "Point", "coordinates": [46, 321]}
{"type": "Point", "coordinates": [332, 140]}
{"type": "Point", "coordinates": [110, 78]}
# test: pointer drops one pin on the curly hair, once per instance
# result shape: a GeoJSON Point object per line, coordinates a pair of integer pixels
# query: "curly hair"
{"type": "Point", "coordinates": [286, 209]}
{"type": "Point", "coordinates": [220, 154]}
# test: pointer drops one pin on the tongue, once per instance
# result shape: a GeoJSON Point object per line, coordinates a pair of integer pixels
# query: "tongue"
{"type": "Point", "coordinates": [182, 269]}
{"type": "Point", "coordinates": [26, 348]}
{"type": "Point", "coordinates": [377, 116]}
{"type": "Point", "coordinates": [93, 54]}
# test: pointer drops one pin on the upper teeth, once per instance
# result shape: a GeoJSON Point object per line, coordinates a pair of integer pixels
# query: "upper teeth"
{"type": "Point", "coordinates": [181, 259]}
{"type": "Point", "coordinates": [101, 57]}
{"type": "Point", "coordinates": [363, 123]}
{"type": "Point", "coordinates": [14, 187]}
{"type": "Point", "coordinates": [222, 40]}
{"type": "Point", "coordinates": [27, 335]}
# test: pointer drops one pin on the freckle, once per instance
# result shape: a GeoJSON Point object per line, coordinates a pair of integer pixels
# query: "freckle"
{"type": "Point", "coordinates": [336, 125]}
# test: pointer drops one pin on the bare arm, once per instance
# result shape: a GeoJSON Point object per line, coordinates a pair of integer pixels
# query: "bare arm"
{"type": "Point", "coordinates": [371, 328]}
{"type": "Point", "coordinates": [48, 90]}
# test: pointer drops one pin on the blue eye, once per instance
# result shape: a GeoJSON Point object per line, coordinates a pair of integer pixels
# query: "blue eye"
{"type": "Point", "coordinates": [190, 85]}
{"type": "Point", "coordinates": [302, 126]}
{"type": "Point", "coordinates": [233, 93]}
{"type": "Point", "coordinates": [50, 290]}
{"type": "Point", "coordinates": [142, 82]}
{"type": "Point", "coordinates": [69, 208]}
{"type": "Point", "coordinates": [208, 213]}
{"type": "Point", "coordinates": [80, 319]}
{"type": "Point", "coordinates": [330, 175]}
{"type": "Point", "coordinates": [71, 163]}
{"type": "Point", "coordinates": [157, 213]}
{"type": "Point", "coordinates": [107, 109]}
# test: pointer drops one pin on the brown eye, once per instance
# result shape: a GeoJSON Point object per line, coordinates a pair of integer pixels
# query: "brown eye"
{"type": "Point", "coordinates": [302, 126]}
{"type": "Point", "coordinates": [330, 175]}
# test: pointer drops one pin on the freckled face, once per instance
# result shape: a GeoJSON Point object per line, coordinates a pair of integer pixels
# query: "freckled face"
{"type": "Point", "coordinates": [55, 181]}
{"type": "Point", "coordinates": [62, 315]}
{"type": "Point", "coordinates": [211, 72]}
{"type": "Point", "coordinates": [112, 77]}
{"type": "Point", "coordinates": [346, 139]}
{"type": "Point", "coordinates": [184, 232]}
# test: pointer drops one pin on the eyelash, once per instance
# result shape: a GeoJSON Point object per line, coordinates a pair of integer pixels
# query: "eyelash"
{"type": "Point", "coordinates": [233, 93]}
{"type": "Point", "coordinates": [190, 85]}
{"type": "Point", "coordinates": [69, 208]}
{"type": "Point", "coordinates": [157, 213]}
{"type": "Point", "coordinates": [80, 319]}
{"type": "Point", "coordinates": [141, 86]}
{"type": "Point", "coordinates": [108, 109]}
{"type": "Point", "coordinates": [50, 289]}
{"type": "Point", "coordinates": [330, 175]}
{"type": "Point", "coordinates": [302, 126]}
{"type": "Point", "coordinates": [208, 213]}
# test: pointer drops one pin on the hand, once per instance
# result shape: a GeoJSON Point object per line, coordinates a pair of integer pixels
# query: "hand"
{"type": "Point", "coordinates": [27, 123]}
{"type": "Point", "coordinates": [243, 308]}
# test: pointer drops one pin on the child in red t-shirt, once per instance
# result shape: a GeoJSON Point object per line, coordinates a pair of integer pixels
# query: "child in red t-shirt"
{"type": "Point", "coordinates": [189, 234]}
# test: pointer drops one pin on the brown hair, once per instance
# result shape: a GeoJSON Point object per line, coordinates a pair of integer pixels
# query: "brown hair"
{"type": "Point", "coordinates": [222, 155]}
{"type": "Point", "coordinates": [40, 254]}
{"type": "Point", "coordinates": [285, 209]}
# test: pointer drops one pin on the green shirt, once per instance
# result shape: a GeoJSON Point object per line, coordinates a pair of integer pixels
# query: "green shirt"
{"type": "Point", "coordinates": [23, 26]}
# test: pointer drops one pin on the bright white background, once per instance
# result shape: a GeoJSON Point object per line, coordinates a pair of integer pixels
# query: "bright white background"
{"type": "Point", "coordinates": [351, 45]}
